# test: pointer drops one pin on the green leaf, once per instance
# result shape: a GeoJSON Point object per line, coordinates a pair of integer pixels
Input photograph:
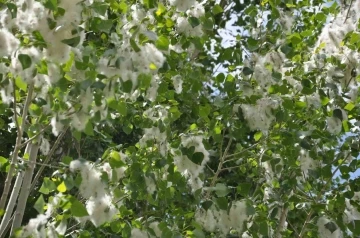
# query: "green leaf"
{"type": "Point", "coordinates": [115, 160]}
{"type": "Point", "coordinates": [305, 143]}
{"type": "Point", "coordinates": [115, 226]}
{"type": "Point", "coordinates": [89, 129]}
{"type": "Point", "coordinates": [3, 161]}
{"type": "Point", "coordinates": [338, 114]}
{"type": "Point", "coordinates": [221, 190]}
{"type": "Point", "coordinates": [345, 125]}
{"type": "Point", "coordinates": [222, 203]}
{"type": "Point", "coordinates": [127, 86]}
{"type": "Point", "coordinates": [300, 104]}
{"type": "Point", "coordinates": [134, 45]}
{"type": "Point", "coordinates": [105, 25]}
{"type": "Point", "coordinates": [127, 128]}
{"type": "Point", "coordinates": [25, 61]}
{"type": "Point", "coordinates": [21, 84]}
{"type": "Point", "coordinates": [206, 205]}
{"type": "Point", "coordinates": [204, 111]}
{"type": "Point", "coordinates": [78, 209]}
{"type": "Point", "coordinates": [13, 9]}
{"type": "Point", "coordinates": [321, 17]}
{"type": "Point", "coordinates": [264, 228]}
{"type": "Point", "coordinates": [257, 135]}
{"type": "Point", "coordinates": [197, 158]}
{"type": "Point", "coordinates": [295, 38]}
{"type": "Point", "coordinates": [194, 22]}
{"type": "Point", "coordinates": [349, 106]}
{"type": "Point", "coordinates": [244, 189]}
{"type": "Point", "coordinates": [47, 186]}
{"type": "Point", "coordinates": [149, 3]}
{"type": "Point", "coordinates": [61, 188]}
{"type": "Point", "coordinates": [354, 227]}
{"type": "Point", "coordinates": [252, 44]}
{"type": "Point", "coordinates": [77, 135]}
{"type": "Point", "coordinates": [247, 71]}
{"type": "Point", "coordinates": [51, 4]}
{"type": "Point", "coordinates": [162, 43]}
{"type": "Point", "coordinates": [73, 42]}
{"type": "Point", "coordinates": [331, 226]}
{"type": "Point", "coordinates": [217, 9]}
{"type": "Point", "coordinates": [39, 204]}
{"type": "Point", "coordinates": [100, 7]}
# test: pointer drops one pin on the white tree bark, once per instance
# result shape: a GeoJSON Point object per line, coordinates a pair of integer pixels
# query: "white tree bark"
{"type": "Point", "coordinates": [10, 206]}
{"type": "Point", "coordinates": [25, 188]}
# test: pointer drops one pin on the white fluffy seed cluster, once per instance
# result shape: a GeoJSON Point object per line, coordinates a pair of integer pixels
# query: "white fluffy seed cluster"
{"type": "Point", "coordinates": [137, 233]}
{"type": "Point", "coordinates": [99, 204]}
{"type": "Point", "coordinates": [324, 232]}
{"type": "Point", "coordinates": [351, 213]}
{"type": "Point", "coordinates": [123, 64]}
{"type": "Point", "coordinates": [215, 219]}
{"type": "Point", "coordinates": [306, 163]}
{"type": "Point", "coordinates": [188, 168]}
{"type": "Point", "coordinates": [192, 8]}
{"type": "Point", "coordinates": [329, 44]}
{"type": "Point", "coordinates": [260, 116]}
{"type": "Point", "coordinates": [40, 226]}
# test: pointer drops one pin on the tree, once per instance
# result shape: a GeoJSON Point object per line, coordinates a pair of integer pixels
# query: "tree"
{"type": "Point", "coordinates": [118, 123]}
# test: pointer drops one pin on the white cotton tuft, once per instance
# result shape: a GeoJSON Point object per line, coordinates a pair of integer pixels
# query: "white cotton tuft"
{"type": "Point", "coordinates": [197, 10]}
{"type": "Point", "coordinates": [150, 185]}
{"type": "Point", "coordinates": [238, 215]}
{"type": "Point", "coordinates": [151, 93]}
{"type": "Point", "coordinates": [177, 82]}
{"type": "Point", "coordinates": [324, 232]}
{"type": "Point", "coordinates": [182, 5]}
{"type": "Point", "coordinates": [79, 120]}
{"type": "Point", "coordinates": [215, 218]}
{"type": "Point", "coordinates": [334, 125]}
{"type": "Point", "coordinates": [206, 219]}
{"type": "Point", "coordinates": [9, 43]}
{"type": "Point", "coordinates": [184, 26]}
{"type": "Point", "coordinates": [36, 226]}
{"type": "Point", "coordinates": [44, 146]}
{"type": "Point", "coordinates": [57, 126]}
{"type": "Point", "coordinates": [155, 135]}
{"type": "Point", "coordinates": [188, 168]}
{"type": "Point", "coordinates": [16, 67]}
{"type": "Point", "coordinates": [137, 233]}
{"type": "Point", "coordinates": [306, 163]}
{"type": "Point", "coordinates": [100, 210]}
{"type": "Point", "coordinates": [149, 54]}
{"type": "Point", "coordinates": [75, 165]}
{"type": "Point", "coordinates": [312, 100]}
{"type": "Point", "coordinates": [259, 116]}
{"type": "Point", "coordinates": [155, 227]}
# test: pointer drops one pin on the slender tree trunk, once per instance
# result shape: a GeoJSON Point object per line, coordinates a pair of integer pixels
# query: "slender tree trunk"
{"type": "Point", "coordinates": [10, 207]}
{"type": "Point", "coordinates": [20, 132]}
{"type": "Point", "coordinates": [282, 222]}
{"type": "Point", "coordinates": [25, 188]}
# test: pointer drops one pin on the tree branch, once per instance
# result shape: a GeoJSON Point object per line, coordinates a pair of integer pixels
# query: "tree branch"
{"type": "Point", "coordinates": [47, 159]}
{"type": "Point", "coordinates": [222, 159]}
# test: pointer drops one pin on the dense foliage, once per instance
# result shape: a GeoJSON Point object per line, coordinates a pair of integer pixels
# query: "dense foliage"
{"type": "Point", "coordinates": [179, 118]}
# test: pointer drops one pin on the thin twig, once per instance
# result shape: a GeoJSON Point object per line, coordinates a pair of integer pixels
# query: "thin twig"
{"type": "Point", "coordinates": [348, 11]}
{"type": "Point", "coordinates": [48, 157]}
{"type": "Point", "coordinates": [34, 137]}
{"type": "Point", "coordinates": [222, 159]}
{"type": "Point", "coordinates": [238, 153]}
